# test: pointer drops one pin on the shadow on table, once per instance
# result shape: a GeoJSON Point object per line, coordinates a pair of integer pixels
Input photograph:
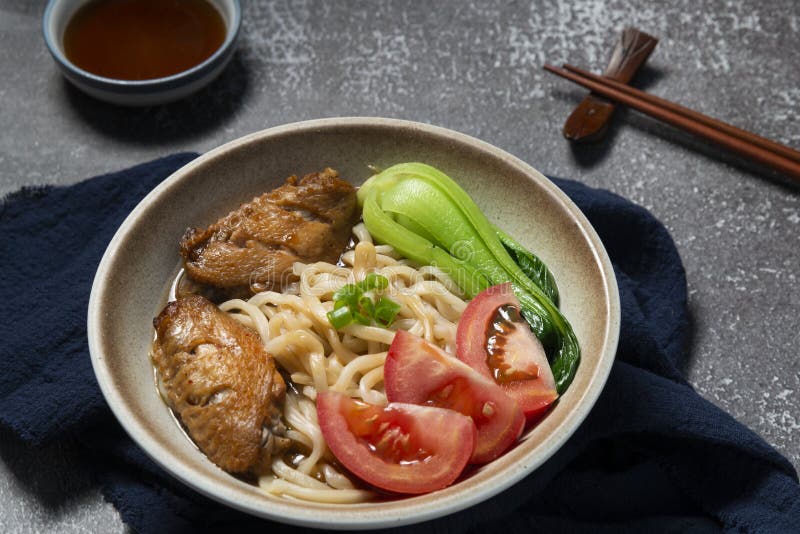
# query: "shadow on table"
{"type": "Point", "coordinates": [705, 149]}
{"type": "Point", "coordinates": [152, 125]}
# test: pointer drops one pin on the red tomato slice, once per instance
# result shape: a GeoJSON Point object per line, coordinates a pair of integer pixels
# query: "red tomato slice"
{"type": "Point", "coordinates": [421, 373]}
{"type": "Point", "coordinates": [495, 340]}
{"type": "Point", "coordinates": [401, 447]}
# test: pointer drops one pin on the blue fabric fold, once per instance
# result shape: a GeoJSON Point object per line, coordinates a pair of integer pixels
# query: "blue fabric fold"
{"type": "Point", "coordinates": [653, 455]}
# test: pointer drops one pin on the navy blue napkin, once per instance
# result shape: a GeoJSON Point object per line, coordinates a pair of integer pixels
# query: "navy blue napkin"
{"type": "Point", "coordinates": [652, 455]}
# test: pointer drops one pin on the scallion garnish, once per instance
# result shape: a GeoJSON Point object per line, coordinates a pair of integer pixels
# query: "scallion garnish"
{"type": "Point", "coordinates": [385, 311]}
{"type": "Point", "coordinates": [340, 317]}
{"type": "Point", "coordinates": [362, 303]}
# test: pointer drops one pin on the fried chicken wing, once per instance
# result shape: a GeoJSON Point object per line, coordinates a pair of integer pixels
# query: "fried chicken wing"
{"type": "Point", "coordinates": [221, 383]}
{"type": "Point", "coordinates": [252, 249]}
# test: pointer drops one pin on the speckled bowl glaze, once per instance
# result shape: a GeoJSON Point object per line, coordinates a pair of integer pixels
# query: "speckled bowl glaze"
{"type": "Point", "coordinates": [132, 279]}
{"type": "Point", "coordinates": [139, 92]}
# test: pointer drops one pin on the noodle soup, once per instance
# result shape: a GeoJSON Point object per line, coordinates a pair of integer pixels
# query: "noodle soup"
{"type": "Point", "coordinates": [313, 356]}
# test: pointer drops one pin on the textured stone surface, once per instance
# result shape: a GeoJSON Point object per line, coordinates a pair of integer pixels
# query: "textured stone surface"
{"type": "Point", "coordinates": [476, 67]}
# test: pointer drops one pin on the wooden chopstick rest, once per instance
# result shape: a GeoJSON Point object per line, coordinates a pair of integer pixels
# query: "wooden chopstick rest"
{"type": "Point", "coordinates": [589, 120]}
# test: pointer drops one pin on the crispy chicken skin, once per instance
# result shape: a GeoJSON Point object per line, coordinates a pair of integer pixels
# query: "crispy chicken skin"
{"type": "Point", "coordinates": [252, 249]}
{"type": "Point", "coordinates": [220, 382]}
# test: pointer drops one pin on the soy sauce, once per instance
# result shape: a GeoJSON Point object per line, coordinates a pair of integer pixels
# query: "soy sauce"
{"type": "Point", "coordinates": [143, 39]}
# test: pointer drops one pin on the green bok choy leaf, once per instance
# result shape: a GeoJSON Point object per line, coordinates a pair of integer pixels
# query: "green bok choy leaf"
{"type": "Point", "coordinates": [431, 220]}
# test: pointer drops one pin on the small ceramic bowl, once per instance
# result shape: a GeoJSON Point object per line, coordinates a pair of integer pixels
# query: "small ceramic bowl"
{"type": "Point", "coordinates": [139, 92]}
{"type": "Point", "coordinates": [132, 282]}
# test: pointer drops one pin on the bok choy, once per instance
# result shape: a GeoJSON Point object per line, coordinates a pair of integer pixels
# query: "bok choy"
{"type": "Point", "coordinates": [430, 219]}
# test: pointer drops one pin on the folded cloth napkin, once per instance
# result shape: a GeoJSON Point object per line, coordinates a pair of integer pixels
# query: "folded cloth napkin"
{"type": "Point", "coordinates": [651, 455]}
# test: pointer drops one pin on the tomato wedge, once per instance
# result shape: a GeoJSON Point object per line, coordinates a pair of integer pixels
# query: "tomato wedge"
{"type": "Point", "coordinates": [401, 448]}
{"type": "Point", "coordinates": [495, 340]}
{"type": "Point", "coordinates": [421, 373]}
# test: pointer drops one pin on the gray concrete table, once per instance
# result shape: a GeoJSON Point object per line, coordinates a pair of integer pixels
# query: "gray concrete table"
{"type": "Point", "coordinates": [474, 67]}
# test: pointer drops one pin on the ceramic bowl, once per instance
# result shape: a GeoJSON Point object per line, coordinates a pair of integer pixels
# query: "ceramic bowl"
{"type": "Point", "coordinates": [132, 281]}
{"type": "Point", "coordinates": [139, 92]}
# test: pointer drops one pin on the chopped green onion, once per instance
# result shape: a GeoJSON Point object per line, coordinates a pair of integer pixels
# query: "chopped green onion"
{"type": "Point", "coordinates": [374, 281]}
{"type": "Point", "coordinates": [366, 305]}
{"type": "Point", "coordinates": [361, 318]}
{"type": "Point", "coordinates": [357, 303]}
{"type": "Point", "coordinates": [340, 317]}
{"type": "Point", "coordinates": [348, 294]}
{"type": "Point", "coordinates": [385, 311]}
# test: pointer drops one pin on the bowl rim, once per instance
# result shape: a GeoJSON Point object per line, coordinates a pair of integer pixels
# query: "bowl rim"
{"type": "Point", "coordinates": [289, 511]}
{"type": "Point", "coordinates": [165, 82]}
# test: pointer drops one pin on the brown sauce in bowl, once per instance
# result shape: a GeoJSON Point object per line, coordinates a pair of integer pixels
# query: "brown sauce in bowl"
{"type": "Point", "coordinates": [143, 39]}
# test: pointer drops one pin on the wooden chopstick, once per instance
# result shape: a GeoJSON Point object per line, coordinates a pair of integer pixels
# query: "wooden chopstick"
{"type": "Point", "coordinates": [739, 141]}
{"type": "Point", "coordinates": [744, 135]}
